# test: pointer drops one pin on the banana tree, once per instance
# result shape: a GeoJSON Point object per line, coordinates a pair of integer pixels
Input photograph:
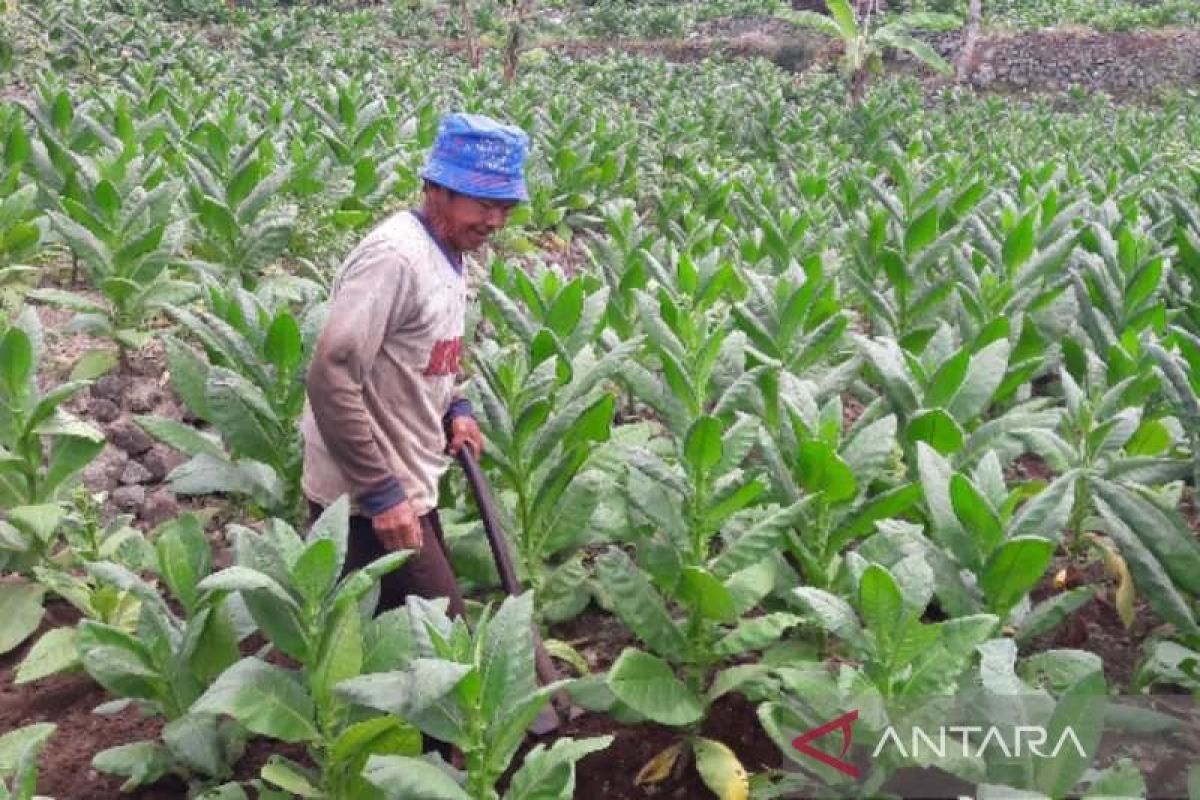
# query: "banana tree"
{"type": "Point", "coordinates": [865, 43]}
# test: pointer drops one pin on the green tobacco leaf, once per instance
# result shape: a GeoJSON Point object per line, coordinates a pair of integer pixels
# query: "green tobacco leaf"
{"type": "Point", "coordinates": [1013, 570]}
{"type": "Point", "coordinates": [833, 614]}
{"type": "Point", "coordinates": [1156, 550]}
{"type": "Point", "coordinates": [705, 595]}
{"type": "Point", "coordinates": [647, 684]}
{"type": "Point", "coordinates": [15, 743]}
{"type": "Point", "coordinates": [21, 612]}
{"type": "Point", "coordinates": [266, 699]}
{"type": "Point", "coordinates": [142, 763]}
{"type": "Point", "coordinates": [820, 469]}
{"type": "Point", "coordinates": [16, 362]}
{"type": "Point", "coordinates": [284, 347]}
{"type": "Point", "coordinates": [279, 772]}
{"type": "Point", "coordinates": [404, 778]}
{"type": "Point", "coordinates": [57, 650]}
{"type": "Point", "coordinates": [937, 429]}
{"type": "Point", "coordinates": [976, 514]}
{"type": "Point", "coordinates": [922, 231]}
{"type": "Point", "coordinates": [880, 601]}
{"type": "Point", "coordinates": [1051, 612]}
{"type": "Point", "coordinates": [548, 774]}
{"type": "Point", "coordinates": [1081, 710]}
{"type": "Point", "coordinates": [1019, 244]}
{"type": "Point", "coordinates": [93, 364]}
{"type": "Point", "coordinates": [638, 604]}
{"type": "Point", "coordinates": [184, 557]}
{"type": "Point", "coordinates": [703, 447]}
{"type": "Point", "coordinates": [196, 740]}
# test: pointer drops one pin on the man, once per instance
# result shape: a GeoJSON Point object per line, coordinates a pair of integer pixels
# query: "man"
{"type": "Point", "coordinates": [382, 409]}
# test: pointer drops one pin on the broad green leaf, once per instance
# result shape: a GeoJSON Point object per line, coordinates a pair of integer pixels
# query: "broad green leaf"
{"type": "Point", "coordinates": [756, 633]}
{"type": "Point", "coordinates": [93, 364]}
{"type": "Point", "coordinates": [178, 435]}
{"type": "Point", "coordinates": [315, 571]}
{"type": "Point", "coordinates": [196, 740]}
{"type": "Point", "coordinates": [977, 515]}
{"type": "Point", "coordinates": [15, 743]}
{"type": "Point", "coordinates": [278, 772]}
{"type": "Point", "coordinates": [404, 778]}
{"type": "Point", "coordinates": [833, 614]}
{"type": "Point", "coordinates": [1019, 244]}
{"type": "Point", "coordinates": [637, 603]}
{"type": "Point", "coordinates": [647, 684]}
{"type": "Point", "coordinates": [266, 699]}
{"type": "Point", "coordinates": [20, 613]}
{"type": "Point", "coordinates": [880, 601]}
{"type": "Point", "coordinates": [937, 429]}
{"type": "Point", "coordinates": [386, 735]}
{"type": "Point", "coordinates": [548, 774]}
{"type": "Point", "coordinates": [705, 595]}
{"type": "Point", "coordinates": [1013, 570]}
{"type": "Point", "coordinates": [16, 362]}
{"type": "Point", "coordinates": [1051, 612]}
{"type": "Point", "coordinates": [703, 447]}
{"type": "Point", "coordinates": [142, 763]}
{"type": "Point", "coordinates": [820, 469]}
{"type": "Point", "coordinates": [1080, 709]}
{"type": "Point", "coordinates": [984, 376]}
{"type": "Point", "coordinates": [284, 346]}
{"type": "Point", "coordinates": [57, 650]}
{"type": "Point", "coordinates": [184, 557]}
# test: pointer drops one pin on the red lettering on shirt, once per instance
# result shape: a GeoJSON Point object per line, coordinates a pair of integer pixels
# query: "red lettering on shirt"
{"type": "Point", "coordinates": [443, 358]}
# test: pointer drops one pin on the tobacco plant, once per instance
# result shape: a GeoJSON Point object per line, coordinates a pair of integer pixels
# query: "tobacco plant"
{"type": "Point", "coordinates": [19, 751]}
{"type": "Point", "coordinates": [249, 386]}
{"type": "Point", "coordinates": [474, 688]}
{"type": "Point", "coordinates": [166, 664]}
{"type": "Point", "coordinates": [294, 590]}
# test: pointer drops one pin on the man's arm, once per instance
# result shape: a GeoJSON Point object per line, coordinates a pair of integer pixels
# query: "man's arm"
{"type": "Point", "coordinates": [369, 291]}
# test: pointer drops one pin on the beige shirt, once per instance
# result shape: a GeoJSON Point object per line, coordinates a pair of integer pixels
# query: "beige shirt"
{"type": "Point", "coordinates": [384, 371]}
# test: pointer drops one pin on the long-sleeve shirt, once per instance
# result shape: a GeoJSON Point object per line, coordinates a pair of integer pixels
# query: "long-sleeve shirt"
{"type": "Point", "coordinates": [382, 381]}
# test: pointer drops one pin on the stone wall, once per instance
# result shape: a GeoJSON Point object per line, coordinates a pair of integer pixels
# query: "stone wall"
{"type": "Point", "coordinates": [1118, 63]}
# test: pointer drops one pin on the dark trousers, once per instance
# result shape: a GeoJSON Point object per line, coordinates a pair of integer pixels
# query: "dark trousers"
{"type": "Point", "coordinates": [426, 574]}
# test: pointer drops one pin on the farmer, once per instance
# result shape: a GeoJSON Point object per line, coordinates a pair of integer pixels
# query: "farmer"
{"type": "Point", "coordinates": [382, 410]}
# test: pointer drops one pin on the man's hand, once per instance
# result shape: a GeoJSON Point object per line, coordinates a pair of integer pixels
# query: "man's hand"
{"type": "Point", "coordinates": [465, 430]}
{"type": "Point", "coordinates": [399, 528]}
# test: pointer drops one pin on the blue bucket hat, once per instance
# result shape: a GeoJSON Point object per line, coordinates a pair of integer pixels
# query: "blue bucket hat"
{"type": "Point", "coordinates": [478, 156]}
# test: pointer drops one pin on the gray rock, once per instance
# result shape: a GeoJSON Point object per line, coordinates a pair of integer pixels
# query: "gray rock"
{"type": "Point", "coordinates": [102, 409]}
{"type": "Point", "coordinates": [135, 473]}
{"type": "Point", "coordinates": [130, 438]}
{"type": "Point", "coordinates": [129, 499]}
{"type": "Point", "coordinates": [103, 474]}
{"type": "Point", "coordinates": [159, 507]}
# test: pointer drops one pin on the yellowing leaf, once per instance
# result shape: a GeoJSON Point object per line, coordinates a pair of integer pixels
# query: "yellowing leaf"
{"type": "Point", "coordinates": [721, 770]}
{"type": "Point", "coordinates": [1124, 596]}
{"type": "Point", "coordinates": [659, 768]}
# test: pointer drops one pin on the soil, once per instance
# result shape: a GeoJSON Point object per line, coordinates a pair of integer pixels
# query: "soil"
{"type": "Point", "coordinates": [610, 773]}
{"type": "Point", "coordinates": [1096, 626]}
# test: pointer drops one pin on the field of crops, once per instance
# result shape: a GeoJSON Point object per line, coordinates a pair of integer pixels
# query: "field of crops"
{"type": "Point", "coordinates": [796, 408]}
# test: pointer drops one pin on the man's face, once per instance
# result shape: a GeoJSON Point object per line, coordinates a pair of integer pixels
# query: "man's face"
{"type": "Point", "coordinates": [471, 221]}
